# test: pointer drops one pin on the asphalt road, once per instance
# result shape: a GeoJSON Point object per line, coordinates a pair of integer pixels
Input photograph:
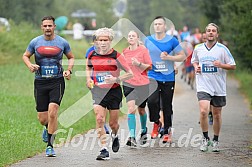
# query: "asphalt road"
{"type": "Point", "coordinates": [235, 138]}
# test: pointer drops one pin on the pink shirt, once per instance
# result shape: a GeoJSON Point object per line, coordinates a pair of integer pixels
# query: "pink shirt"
{"type": "Point", "coordinates": [142, 55]}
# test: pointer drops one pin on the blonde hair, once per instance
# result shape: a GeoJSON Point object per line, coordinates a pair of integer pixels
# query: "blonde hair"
{"type": "Point", "coordinates": [105, 32]}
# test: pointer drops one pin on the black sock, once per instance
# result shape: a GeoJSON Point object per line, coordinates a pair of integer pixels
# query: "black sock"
{"type": "Point", "coordinates": [215, 138]}
{"type": "Point", "coordinates": [205, 134]}
{"type": "Point", "coordinates": [50, 140]}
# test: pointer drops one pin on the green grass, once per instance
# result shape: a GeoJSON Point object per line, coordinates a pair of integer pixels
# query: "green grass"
{"type": "Point", "coordinates": [245, 79]}
{"type": "Point", "coordinates": [20, 131]}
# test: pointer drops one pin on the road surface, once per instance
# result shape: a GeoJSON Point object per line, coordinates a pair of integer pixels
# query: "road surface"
{"type": "Point", "coordinates": [235, 139]}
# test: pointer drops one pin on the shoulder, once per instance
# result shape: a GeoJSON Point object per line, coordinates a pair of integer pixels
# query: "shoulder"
{"type": "Point", "coordinates": [220, 45]}
{"type": "Point", "coordinates": [59, 38]}
{"type": "Point", "coordinates": [149, 38]}
{"type": "Point", "coordinates": [142, 48]}
{"type": "Point", "coordinates": [223, 48]}
{"type": "Point", "coordinates": [36, 39]}
{"type": "Point", "coordinates": [199, 46]}
{"type": "Point", "coordinates": [125, 50]}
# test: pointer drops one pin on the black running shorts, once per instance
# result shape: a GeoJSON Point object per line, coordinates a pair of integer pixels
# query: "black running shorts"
{"type": "Point", "coordinates": [48, 91]}
{"type": "Point", "coordinates": [107, 98]}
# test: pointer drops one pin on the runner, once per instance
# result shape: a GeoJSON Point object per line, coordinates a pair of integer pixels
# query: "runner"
{"type": "Point", "coordinates": [49, 84]}
{"type": "Point", "coordinates": [136, 89]}
{"type": "Point", "coordinates": [103, 70]}
{"type": "Point", "coordinates": [164, 50]}
{"type": "Point", "coordinates": [211, 60]}
{"type": "Point", "coordinates": [91, 49]}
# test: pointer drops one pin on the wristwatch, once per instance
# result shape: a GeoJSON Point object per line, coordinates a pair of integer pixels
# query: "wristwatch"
{"type": "Point", "coordinates": [118, 80]}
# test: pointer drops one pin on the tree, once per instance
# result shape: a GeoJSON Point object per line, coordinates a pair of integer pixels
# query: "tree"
{"type": "Point", "coordinates": [236, 26]}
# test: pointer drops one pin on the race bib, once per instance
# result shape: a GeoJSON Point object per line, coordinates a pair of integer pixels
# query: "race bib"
{"type": "Point", "coordinates": [49, 71]}
{"type": "Point", "coordinates": [161, 66]}
{"type": "Point", "coordinates": [100, 77]}
{"type": "Point", "coordinates": [206, 68]}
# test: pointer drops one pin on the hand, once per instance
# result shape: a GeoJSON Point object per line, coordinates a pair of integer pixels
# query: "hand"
{"type": "Point", "coordinates": [67, 74]}
{"type": "Point", "coordinates": [34, 67]}
{"type": "Point", "coordinates": [217, 63]}
{"type": "Point", "coordinates": [90, 83]}
{"type": "Point", "coordinates": [109, 79]}
{"type": "Point", "coordinates": [135, 62]}
{"type": "Point", "coordinates": [164, 56]}
{"type": "Point", "coordinates": [197, 69]}
{"type": "Point", "coordinates": [176, 71]}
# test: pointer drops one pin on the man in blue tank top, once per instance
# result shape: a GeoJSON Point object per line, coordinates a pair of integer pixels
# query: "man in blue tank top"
{"type": "Point", "coordinates": [49, 84]}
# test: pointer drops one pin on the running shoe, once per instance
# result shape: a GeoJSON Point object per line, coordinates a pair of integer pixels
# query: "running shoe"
{"type": "Point", "coordinates": [154, 133]}
{"type": "Point", "coordinates": [104, 155]}
{"type": "Point", "coordinates": [115, 143]}
{"type": "Point", "coordinates": [131, 142]}
{"type": "Point", "coordinates": [210, 118]}
{"type": "Point", "coordinates": [215, 145]}
{"type": "Point", "coordinates": [45, 135]}
{"type": "Point", "coordinates": [143, 138]}
{"type": "Point", "coordinates": [204, 145]}
{"type": "Point", "coordinates": [106, 129]}
{"type": "Point", "coordinates": [50, 152]}
{"type": "Point", "coordinates": [161, 132]}
{"type": "Point", "coordinates": [167, 138]}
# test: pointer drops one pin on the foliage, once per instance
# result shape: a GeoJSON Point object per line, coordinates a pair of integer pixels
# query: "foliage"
{"type": "Point", "coordinates": [245, 78]}
{"type": "Point", "coordinates": [15, 41]}
{"type": "Point", "coordinates": [238, 31]}
{"type": "Point", "coordinates": [27, 10]}
{"type": "Point", "coordinates": [211, 10]}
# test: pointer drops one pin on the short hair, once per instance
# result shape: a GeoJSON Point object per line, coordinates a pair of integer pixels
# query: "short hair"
{"type": "Point", "coordinates": [160, 17]}
{"type": "Point", "coordinates": [213, 24]}
{"type": "Point", "coordinates": [94, 38]}
{"type": "Point", "coordinates": [105, 32]}
{"type": "Point", "coordinates": [48, 18]}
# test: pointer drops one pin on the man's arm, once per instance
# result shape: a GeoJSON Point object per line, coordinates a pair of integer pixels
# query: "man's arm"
{"type": "Point", "coordinates": [180, 56]}
{"type": "Point", "coordinates": [26, 58]}
{"type": "Point", "coordinates": [67, 73]}
{"type": "Point", "coordinates": [218, 64]}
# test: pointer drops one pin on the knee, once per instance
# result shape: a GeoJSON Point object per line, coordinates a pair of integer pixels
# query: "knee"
{"type": "Point", "coordinates": [217, 116]}
{"type": "Point", "coordinates": [43, 120]}
{"type": "Point", "coordinates": [131, 110]}
{"type": "Point", "coordinates": [100, 119]}
{"type": "Point", "coordinates": [53, 114]}
{"type": "Point", "coordinates": [141, 111]}
{"type": "Point", "coordinates": [204, 113]}
{"type": "Point", "coordinates": [113, 125]}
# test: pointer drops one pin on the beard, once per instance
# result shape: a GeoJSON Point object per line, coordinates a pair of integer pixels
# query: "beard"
{"type": "Point", "coordinates": [48, 33]}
